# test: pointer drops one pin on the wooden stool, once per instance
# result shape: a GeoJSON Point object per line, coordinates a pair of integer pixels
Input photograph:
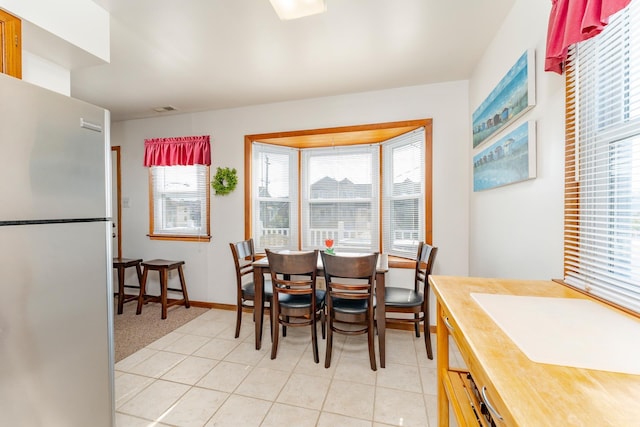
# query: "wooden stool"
{"type": "Point", "coordinates": [163, 266]}
{"type": "Point", "coordinates": [121, 264]}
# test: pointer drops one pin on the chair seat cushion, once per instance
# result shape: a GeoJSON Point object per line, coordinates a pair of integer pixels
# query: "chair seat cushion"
{"type": "Point", "coordinates": [351, 306]}
{"type": "Point", "coordinates": [402, 297]}
{"type": "Point", "coordinates": [249, 289]}
{"type": "Point", "coordinates": [301, 301]}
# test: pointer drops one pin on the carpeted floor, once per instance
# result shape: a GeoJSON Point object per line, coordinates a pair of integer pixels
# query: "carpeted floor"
{"type": "Point", "coordinates": [131, 332]}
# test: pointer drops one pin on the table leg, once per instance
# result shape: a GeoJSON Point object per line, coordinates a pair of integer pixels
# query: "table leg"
{"type": "Point", "coordinates": [442, 357]}
{"type": "Point", "coordinates": [380, 317]}
{"type": "Point", "coordinates": [258, 309]}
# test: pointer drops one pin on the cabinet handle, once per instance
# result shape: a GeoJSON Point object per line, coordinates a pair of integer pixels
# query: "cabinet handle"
{"type": "Point", "coordinates": [447, 324]}
{"type": "Point", "coordinates": [491, 408]}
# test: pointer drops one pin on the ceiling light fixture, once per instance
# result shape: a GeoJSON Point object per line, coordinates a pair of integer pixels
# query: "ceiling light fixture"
{"type": "Point", "coordinates": [293, 9]}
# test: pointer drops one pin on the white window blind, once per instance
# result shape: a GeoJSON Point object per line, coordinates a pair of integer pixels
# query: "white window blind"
{"type": "Point", "coordinates": [180, 197]}
{"type": "Point", "coordinates": [403, 189]}
{"type": "Point", "coordinates": [275, 197]}
{"type": "Point", "coordinates": [340, 198]}
{"type": "Point", "coordinates": [602, 201]}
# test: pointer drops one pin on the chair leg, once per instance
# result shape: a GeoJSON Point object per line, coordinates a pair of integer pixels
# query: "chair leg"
{"type": "Point", "coordinates": [416, 325]}
{"type": "Point", "coordinates": [143, 290]}
{"type": "Point", "coordinates": [183, 285]}
{"type": "Point", "coordinates": [327, 357]}
{"type": "Point", "coordinates": [284, 328]}
{"type": "Point", "coordinates": [323, 321]}
{"type": "Point", "coordinates": [275, 332]}
{"type": "Point", "coordinates": [427, 339]}
{"type": "Point", "coordinates": [370, 335]}
{"type": "Point", "coordinates": [238, 318]}
{"type": "Point", "coordinates": [427, 332]}
{"type": "Point", "coordinates": [271, 321]}
{"type": "Point", "coordinates": [314, 338]}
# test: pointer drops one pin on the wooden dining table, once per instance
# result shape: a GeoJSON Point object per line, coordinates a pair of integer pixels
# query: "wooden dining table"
{"type": "Point", "coordinates": [261, 267]}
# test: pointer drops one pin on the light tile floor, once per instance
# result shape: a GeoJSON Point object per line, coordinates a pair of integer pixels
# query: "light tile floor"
{"type": "Point", "coordinates": [199, 375]}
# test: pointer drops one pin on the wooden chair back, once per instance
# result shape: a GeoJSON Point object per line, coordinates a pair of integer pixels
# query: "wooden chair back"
{"type": "Point", "coordinates": [350, 277]}
{"type": "Point", "coordinates": [424, 263]}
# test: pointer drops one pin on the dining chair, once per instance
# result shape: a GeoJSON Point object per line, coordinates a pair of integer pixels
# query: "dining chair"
{"type": "Point", "coordinates": [415, 299]}
{"type": "Point", "coordinates": [243, 257]}
{"type": "Point", "coordinates": [296, 301]}
{"type": "Point", "coordinates": [350, 298]}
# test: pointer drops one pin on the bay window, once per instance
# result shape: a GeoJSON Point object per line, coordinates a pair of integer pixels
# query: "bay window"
{"type": "Point", "coordinates": [365, 196]}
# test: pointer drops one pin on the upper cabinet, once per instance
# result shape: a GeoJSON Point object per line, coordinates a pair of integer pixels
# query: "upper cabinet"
{"type": "Point", "coordinates": [11, 45]}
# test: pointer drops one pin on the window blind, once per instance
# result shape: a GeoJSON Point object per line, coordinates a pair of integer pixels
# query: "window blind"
{"type": "Point", "coordinates": [340, 198]}
{"type": "Point", "coordinates": [180, 197]}
{"type": "Point", "coordinates": [275, 197]}
{"type": "Point", "coordinates": [403, 194]}
{"type": "Point", "coordinates": [602, 173]}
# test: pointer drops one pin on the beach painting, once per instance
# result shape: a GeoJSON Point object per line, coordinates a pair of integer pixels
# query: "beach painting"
{"type": "Point", "coordinates": [510, 159]}
{"type": "Point", "coordinates": [512, 97]}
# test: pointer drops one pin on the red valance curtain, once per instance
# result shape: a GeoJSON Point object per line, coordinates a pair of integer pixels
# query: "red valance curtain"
{"type": "Point", "coordinates": [572, 21]}
{"type": "Point", "coordinates": [179, 151]}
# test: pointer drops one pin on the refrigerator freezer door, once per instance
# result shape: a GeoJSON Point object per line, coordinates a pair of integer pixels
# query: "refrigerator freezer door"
{"type": "Point", "coordinates": [56, 355]}
{"type": "Point", "coordinates": [54, 151]}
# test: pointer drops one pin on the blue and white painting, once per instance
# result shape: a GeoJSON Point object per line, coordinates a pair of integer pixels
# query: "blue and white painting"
{"type": "Point", "coordinates": [510, 159]}
{"type": "Point", "coordinates": [514, 95]}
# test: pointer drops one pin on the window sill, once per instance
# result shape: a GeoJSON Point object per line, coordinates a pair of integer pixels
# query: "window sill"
{"type": "Point", "coordinates": [179, 238]}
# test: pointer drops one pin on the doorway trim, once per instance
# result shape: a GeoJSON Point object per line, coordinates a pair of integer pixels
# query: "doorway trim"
{"type": "Point", "coordinates": [118, 206]}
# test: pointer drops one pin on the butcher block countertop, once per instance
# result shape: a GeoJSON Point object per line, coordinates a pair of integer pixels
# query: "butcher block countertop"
{"type": "Point", "coordinates": [527, 392]}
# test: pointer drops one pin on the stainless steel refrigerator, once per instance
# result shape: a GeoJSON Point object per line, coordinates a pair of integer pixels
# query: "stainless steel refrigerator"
{"type": "Point", "coordinates": [56, 329]}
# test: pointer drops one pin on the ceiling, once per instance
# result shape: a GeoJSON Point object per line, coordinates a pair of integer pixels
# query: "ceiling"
{"type": "Point", "coordinates": [199, 55]}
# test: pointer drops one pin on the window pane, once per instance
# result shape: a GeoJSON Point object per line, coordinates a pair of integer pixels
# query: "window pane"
{"type": "Point", "coordinates": [404, 194]}
{"type": "Point", "coordinates": [340, 198]}
{"type": "Point", "coordinates": [180, 200]}
{"type": "Point", "coordinates": [275, 182]}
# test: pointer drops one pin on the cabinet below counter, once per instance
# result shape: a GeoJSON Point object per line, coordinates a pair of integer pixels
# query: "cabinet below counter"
{"type": "Point", "coordinates": [500, 385]}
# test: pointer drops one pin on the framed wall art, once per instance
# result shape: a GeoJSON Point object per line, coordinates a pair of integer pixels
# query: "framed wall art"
{"type": "Point", "coordinates": [512, 97]}
{"type": "Point", "coordinates": [510, 159]}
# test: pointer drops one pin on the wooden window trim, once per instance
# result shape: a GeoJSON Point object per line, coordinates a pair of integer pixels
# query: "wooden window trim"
{"type": "Point", "coordinates": [10, 45]}
{"type": "Point", "coordinates": [341, 136]}
{"type": "Point", "coordinates": [571, 185]}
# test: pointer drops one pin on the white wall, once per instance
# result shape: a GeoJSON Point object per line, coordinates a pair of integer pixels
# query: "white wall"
{"type": "Point", "coordinates": [209, 271]}
{"type": "Point", "coordinates": [44, 73]}
{"type": "Point", "coordinates": [516, 230]}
